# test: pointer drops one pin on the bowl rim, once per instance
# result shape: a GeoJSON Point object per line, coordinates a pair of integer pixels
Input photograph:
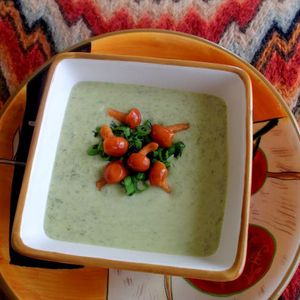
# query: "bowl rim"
{"type": "Point", "coordinates": [225, 275]}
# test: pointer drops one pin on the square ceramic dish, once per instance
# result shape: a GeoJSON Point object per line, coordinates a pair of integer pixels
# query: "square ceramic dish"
{"type": "Point", "coordinates": [229, 83]}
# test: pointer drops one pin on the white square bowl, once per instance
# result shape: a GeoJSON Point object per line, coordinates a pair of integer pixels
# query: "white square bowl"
{"type": "Point", "coordinates": [229, 83]}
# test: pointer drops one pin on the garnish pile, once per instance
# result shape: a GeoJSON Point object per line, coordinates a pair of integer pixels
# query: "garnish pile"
{"type": "Point", "coordinates": [139, 153]}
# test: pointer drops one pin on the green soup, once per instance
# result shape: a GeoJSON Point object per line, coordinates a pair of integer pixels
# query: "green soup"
{"type": "Point", "coordinates": [187, 221]}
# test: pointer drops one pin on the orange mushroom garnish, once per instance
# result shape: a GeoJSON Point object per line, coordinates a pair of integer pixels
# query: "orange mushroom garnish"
{"type": "Point", "coordinates": [139, 161]}
{"type": "Point", "coordinates": [114, 172]}
{"type": "Point", "coordinates": [132, 119]}
{"type": "Point", "coordinates": [163, 135]}
{"type": "Point", "coordinates": [158, 176]}
{"type": "Point", "coordinates": [113, 145]}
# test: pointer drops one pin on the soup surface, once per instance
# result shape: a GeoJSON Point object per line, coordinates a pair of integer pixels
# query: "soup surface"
{"type": "Point", "coordinates": [187, 221]}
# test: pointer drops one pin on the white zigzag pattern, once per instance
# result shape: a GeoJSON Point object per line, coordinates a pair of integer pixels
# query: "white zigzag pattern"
{"type": "Point", "coordinates": [155, 10]}
{"type": "Point", "coordinates": [66, 36]}
{"type": "Point", "coordinates": [63, 35]}
{"type": "Point", "coordinates": [246, 44]}
{"type": "Point", "coordinates": [35, 9]}
{"type": "Point", "coordinates": [243, 44]}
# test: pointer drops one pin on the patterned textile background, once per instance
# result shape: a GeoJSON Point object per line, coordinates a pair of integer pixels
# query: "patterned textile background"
{"type": "Point", "coordinates": [266, 33]}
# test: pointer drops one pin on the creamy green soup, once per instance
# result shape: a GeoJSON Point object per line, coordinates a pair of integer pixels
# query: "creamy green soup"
{"type": "Point", "coordinates": [186, 222]}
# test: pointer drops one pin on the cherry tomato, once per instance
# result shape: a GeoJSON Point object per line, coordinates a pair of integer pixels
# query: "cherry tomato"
{"type": "Point", "coordinates": [133, 118]}
{"type": "Point", "coordinates": [114, 172]}
{"type": "Point", "coordinates": [139, 161]}
{"type": "Point", "coordinates": [115, 146]}
{"type": "Point", "coordinates": [162, 135]}
{"type": "Point", "coordinates": [158, 176]}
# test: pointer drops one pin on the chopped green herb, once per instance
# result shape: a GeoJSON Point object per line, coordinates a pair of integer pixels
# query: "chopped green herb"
{"type": "Point", "coordinates": [179, 146]}
{"type": "Point", "coordinates": [120, 130]}
{"type": "Point", "coordinates": [140, 176]}
{"type": "Point", "coordinates": [96, 131]}
{"type": "Point", "coordinates": [135, 183]}
{"type": "Point", "coordinates": [93, 150]}
{"type": "Point", "coordinates": [141, 186]}
{"type": "Point", "coordinates": [135, 144]}
{"type": "Point", "coordinates": [144, 130]}
{"type": "Point", "coordinates": [137, 138]}
{"type": "Point", "coordinates": [164, 154]}
{"type": "Point", "coordinates": [167, 164]}
{"type": "Point", "coordinates": [172, 150]}
{"type": "Point", "coordinates": [129, 186]}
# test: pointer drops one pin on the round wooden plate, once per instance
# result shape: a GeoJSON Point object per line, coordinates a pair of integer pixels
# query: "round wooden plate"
{"type": "Point", "coordinates": [273, 251]}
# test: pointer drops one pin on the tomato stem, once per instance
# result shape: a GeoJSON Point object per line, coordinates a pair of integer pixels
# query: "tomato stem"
{"type": "Point", "coordinates": [106, 132]}
{"type": "Point", "coordinates": [118, 115]}
{"type": "Point", "coordinates": [166, 187]}
{"type": "Point", "coordinates": [101, 183]}
{"type": "Point", "coordinates": [148, 148]}
{"type": "Point", "coordinates": [178, 127]}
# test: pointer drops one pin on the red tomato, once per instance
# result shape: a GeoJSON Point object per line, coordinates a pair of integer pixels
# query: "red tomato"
{"type": "Point", "coordinates": [133, 118]}
{"type": "Point", "coordinates": [162, 135]}
{"type": "Point", "coordinates": [114, 172]}
{"type": "Point", "coordinates": [158, 176]}
{"type": "Point", "coordinates": [138, 162]}
{"type": "Point", "coordinates": [115, 146]}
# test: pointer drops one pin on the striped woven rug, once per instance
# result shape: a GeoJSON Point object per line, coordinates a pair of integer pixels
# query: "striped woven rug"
{"type": "Point", "coordinates": [266, 33]}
